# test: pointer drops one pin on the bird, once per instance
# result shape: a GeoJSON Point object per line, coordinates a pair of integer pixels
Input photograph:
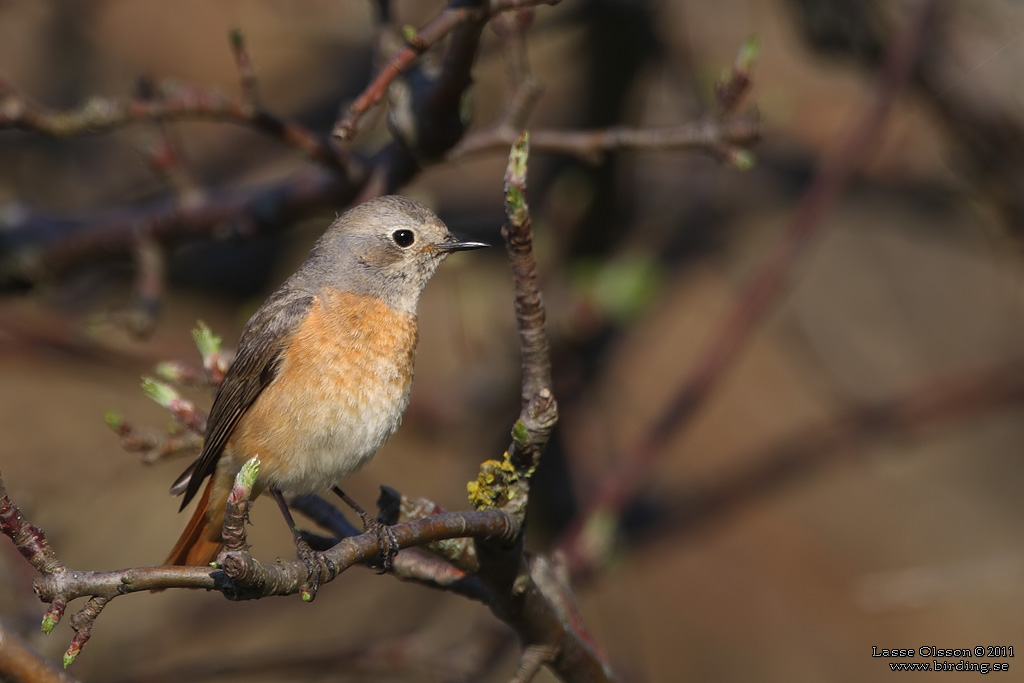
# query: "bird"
{"type": "Point", "coordinates": [323, 369]}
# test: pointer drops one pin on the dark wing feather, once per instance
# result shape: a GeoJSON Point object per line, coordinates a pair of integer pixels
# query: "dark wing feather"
{"type": "Point", "coordinates": [256, 364]}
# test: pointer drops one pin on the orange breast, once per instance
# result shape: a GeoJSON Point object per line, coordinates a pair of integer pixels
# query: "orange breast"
{"type": "Point", "coordinates": [340, 393]}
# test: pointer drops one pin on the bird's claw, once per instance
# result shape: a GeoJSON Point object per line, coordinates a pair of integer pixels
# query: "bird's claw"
{"type": "Point", "coordinates": [387, 541]}
{"type": "Point", "coordinates": [315, 563]}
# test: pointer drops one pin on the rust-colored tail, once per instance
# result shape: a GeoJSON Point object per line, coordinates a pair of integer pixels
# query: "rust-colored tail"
{"type": "Point", "coordinates": [200, 542]}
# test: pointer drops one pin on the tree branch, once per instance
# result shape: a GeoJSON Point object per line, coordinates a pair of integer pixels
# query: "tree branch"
{"type": "Point", "coordinates": [418, 567]}
{"type": "Point", "coordinates": [521, 594]}
{"type": "Point", "coordinates": [19, 663]}
{"type": "Point", "coordinates": [416, 45]}
{"type": "Point", "coordinates": [171, 102]}
{"type": "Point", "coordinates": [240, 576]}
{"type": "Point", "coordinates": [39, 247]}
{"type": "Point", "coordinates": [708, 135]}
{"type": "Point", "coordinates": [936, 402]}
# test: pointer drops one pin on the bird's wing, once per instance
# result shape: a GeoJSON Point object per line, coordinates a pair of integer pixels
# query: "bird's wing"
{"type": "Point", "coordinates": [256, 364]}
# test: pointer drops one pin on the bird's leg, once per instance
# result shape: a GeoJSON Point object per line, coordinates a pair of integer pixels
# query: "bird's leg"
{"type": "Point", "coordinates": [309, 557]}
{"type": "Point", "coordinates": [386, 539]}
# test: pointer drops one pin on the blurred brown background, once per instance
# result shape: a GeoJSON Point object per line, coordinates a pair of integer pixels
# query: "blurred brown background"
{"type": "Point", "coordinates": [910, 542]}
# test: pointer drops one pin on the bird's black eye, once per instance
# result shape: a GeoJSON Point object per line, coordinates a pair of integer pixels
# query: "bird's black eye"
{"type": "Point", "coordinates": [403, 238]}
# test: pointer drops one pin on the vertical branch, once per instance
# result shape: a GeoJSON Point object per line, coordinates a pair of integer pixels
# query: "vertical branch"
{"type": "Point", "coordinates": [505, 484]}
{"type": "Point", "coordinates": [525, 88]}
{"type": "Point", "coordinates": [522, 594]}
{"type": "Point", "coordinates": [246, 70]}
{"type": "Point", "coordinates": [163, 155]}
{"type": "Point", "coordinates": [529, 307]}
{"type": "Point", "coordinates": [148, 289]}
{"type": "Point", "coordinates": [236, 512]}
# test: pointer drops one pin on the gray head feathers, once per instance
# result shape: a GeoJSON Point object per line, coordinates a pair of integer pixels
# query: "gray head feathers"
{"type": "Point", "coordinates": [387, 247]}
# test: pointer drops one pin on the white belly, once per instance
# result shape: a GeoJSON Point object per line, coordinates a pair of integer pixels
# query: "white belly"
{"type": "Point", "coordinates": [337, 438]}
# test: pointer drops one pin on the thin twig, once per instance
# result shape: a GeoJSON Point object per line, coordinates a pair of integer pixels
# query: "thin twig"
{"type": "Point", "coordinates": [172, 102]}
{"type": "Point", "coordinates": [706, 135]}
{"type": "Point", "coordinates": [246, 70]}
{"type": "Point", "coordinates": [531, 660]}
{"type": "Point", "coordinates": [147, 294]}
{"type": "Point", "coordinates": [82, 622]}
{"type": "Point", "coordinates": [724, 133]}
{"type": "Point", "coordinates": [729, 90]}
{"type": "Point", "coordinates": [526, 90]}
{"type": "Point", "coordinates": [529, 306]}
{"type": "Point", "coordinates": [150, 447]}
{"type": "Point", "coordinates": [164, 158]}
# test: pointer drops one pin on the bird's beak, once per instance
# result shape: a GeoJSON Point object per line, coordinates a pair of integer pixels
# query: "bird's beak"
{"type": "Point", "coordinates": [452, 244]}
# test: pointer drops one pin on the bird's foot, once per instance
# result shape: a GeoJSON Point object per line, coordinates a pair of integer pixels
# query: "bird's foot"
{"type": "Point", "coordinates": [387, 541]}
{"type": "Point", "coordinates": [315, 565]}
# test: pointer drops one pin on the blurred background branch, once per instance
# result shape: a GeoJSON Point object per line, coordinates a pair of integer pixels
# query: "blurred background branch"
{"type": "Point", "coordinates": [583, 543]}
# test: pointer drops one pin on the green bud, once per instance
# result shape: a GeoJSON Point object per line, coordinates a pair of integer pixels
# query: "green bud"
{"type": "Point", "coordinates": [247, 475]}
{"type": "Point", "coordinates": [747, 55]}
{"type": "Point", "coordinates": [160, 392]}
{"type": "Point", "coordinates": [113, 420]}
{"type": "Point", "coordinates": [520, 434]}
{"type": "Point", "coordinates": [743, 159]}
{"type": "Point", "coordinates": [207, 342]}
{"type": "Point", "coordinates": [515, 180]}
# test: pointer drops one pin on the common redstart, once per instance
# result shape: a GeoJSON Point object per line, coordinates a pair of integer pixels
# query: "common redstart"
{"type": "Point", "coordinates": [324, 367]}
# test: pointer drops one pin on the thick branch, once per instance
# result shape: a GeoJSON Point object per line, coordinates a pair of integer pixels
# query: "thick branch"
{"type": "Point", "coordinates": [524, 599]}
{"type": "Point", "coordinates": [414, 566]}
{"type": "Point", "coordinates": [20, 664]}
{"type": "Point", "coordinates": [244, 577]}
{"type": "Point", "coordinates": [39, 248]}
